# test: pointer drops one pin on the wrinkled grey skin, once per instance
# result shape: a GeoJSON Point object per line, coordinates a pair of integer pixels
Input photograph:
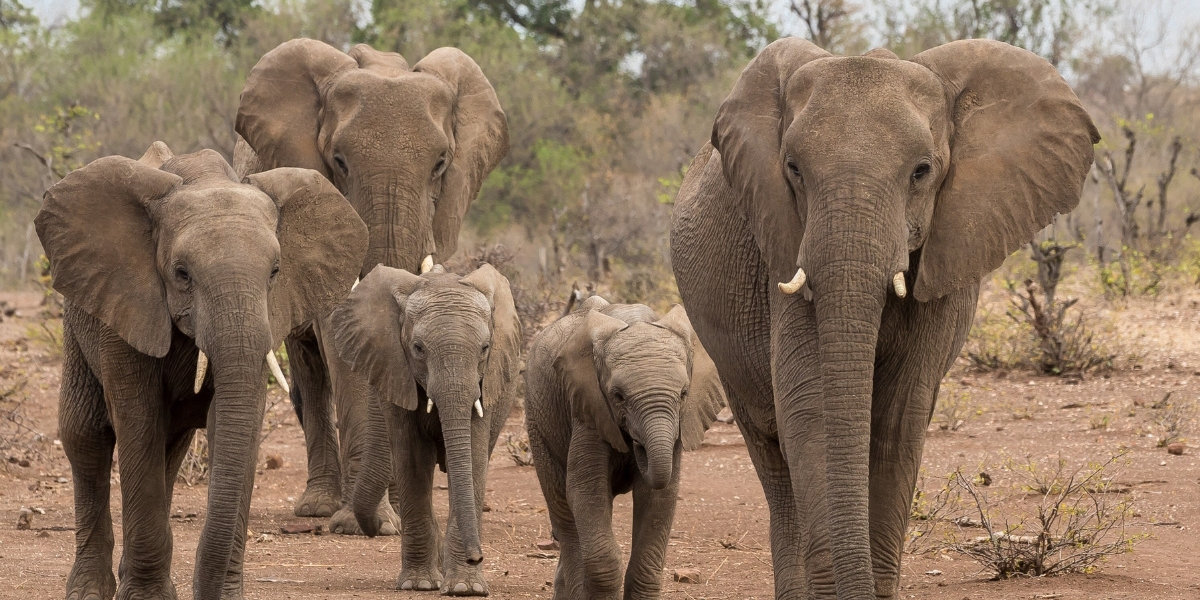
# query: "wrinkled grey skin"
{"type": "Point", "coordinates": [433, 346]}
{"type": "Point", "coordinates": [157, 259]}
{"type": "Point", "coordinates": [613, 395]}
{"type": "Point", "coordinates": [855, 169]}
{"type": "Point", "coordinates": [409, 147]}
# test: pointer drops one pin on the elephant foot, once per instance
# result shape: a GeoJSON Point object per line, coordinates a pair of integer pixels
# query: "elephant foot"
{"type": "Point", "coordinates": [164, 590]}
{"type": "Point", "coordinates": [421, 580]}
{"type": "Point", "coordinates": [318, 502]}
{"type": "Point", "coordinates": [464, 581]}
{"type": "Point", "coordinates": [343, 521]}
{"type": "Point", "coordinates": [91, 581]}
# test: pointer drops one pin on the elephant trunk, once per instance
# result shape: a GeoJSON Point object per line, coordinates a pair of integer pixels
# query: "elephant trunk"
{"type": "Point", "coordinates": [375, 472]}
{"type": "Point", "coordinates": [456, 431]}
{"type": "Point", "coordinates": [852, 254]}
{"type": "Point", "coordinates": [399, 223]}
{"type": "Point", "coordinates": [660, 432]}
{"type": "Point", "coordinates": [237, 356]}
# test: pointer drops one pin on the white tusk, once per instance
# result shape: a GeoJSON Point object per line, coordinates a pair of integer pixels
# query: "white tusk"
{"type": "Point", "coordinates": [277, 372]}
{"type": "Point", "coordinates": [201, 371]}
{"type": "Point", "coordinates": [429, 407]}
{"type": "Point", "coordinates": [478, 407]}
{"type": "Point", "coordinates": [427, 264]}
{"type": "Point", "coordinates": [898, 284]}
{"type": "Point", "coordinates": [795, 284]}
{"type": "Point", "coordinates": [356, 282]}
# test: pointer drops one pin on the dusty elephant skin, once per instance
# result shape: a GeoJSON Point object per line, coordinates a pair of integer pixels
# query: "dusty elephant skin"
{"type": "Point", "coordinates": [409, 147]}
{"type": "Point", "coordinates": [165, 262]}
{"type": "Point", "coordinates": [443, 351]}
{"type": "Point", "coordinates": [853, 180]}
{"type": "Point", "coordinates": [614, 394]}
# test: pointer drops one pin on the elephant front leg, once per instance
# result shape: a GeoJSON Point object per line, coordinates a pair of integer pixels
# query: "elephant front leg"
{"type": "Point", "coordinates": [311, 393]}
{"type": "Point", "coordinates": [653, 514]}
{"type": "Point", "coordinates": [414, 457]}
{"type": "Point", "coordinates": [88, 442]}
{"type": "Point", "coordinates": [552, 477]}
{"type": "Point", "coordinates": [589, 493]}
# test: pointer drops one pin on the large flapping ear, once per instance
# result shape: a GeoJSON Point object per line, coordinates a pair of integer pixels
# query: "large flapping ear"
{"type": "Point", "coordinates": [504, 357]}
{"type": "Point", "coordinates": [705, 396]}
{"type": "Point", "coordinates": [322, 242]}
{"type": "Point", "coordinates": [98, 232]}
{"type": "Point", "coordinates": [480, 140]}
{"type": "Point", "coordinates": [279, 113]}
{"type": "Point", "coordinates": [367, 333]}
{"type": "Point", "coordinates": [748, 131]}
{"type": "Point", "coordinates": [576, 367]}
{"type": "Point", "coordinates": [1021, 148]}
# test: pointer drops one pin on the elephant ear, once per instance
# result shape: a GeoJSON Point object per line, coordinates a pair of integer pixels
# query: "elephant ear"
{"type": "Point", "coordinates": [505, 353]}
{"type": "Point", "coordinates": [98, 232]}
{"type": "Point", "coordinates": [322, 242]}
{"type": "Point", "coordinates": [480, 140]}
{"type": "Point", "coordinates": [279, 113]}
{"type": "Point", "coordinates": [157, 154]}
{"type": "Point", "coordinates": [576, 368]}
{"type": "Point", "coordinates": [705, 396]}
{"type": "Point", "coordinates": [367, 333]}
{"type": "Point", "coordinates": [1021, 148]}
{"type": "Point", "coordinates": [747, 132]}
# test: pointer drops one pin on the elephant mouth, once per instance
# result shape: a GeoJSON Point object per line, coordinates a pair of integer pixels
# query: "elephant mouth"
{"type": "Point", "coordinates": [639, 456]}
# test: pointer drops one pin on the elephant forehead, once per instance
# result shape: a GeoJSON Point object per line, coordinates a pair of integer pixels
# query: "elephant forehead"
{"type": "Point", "coordinates": [450, 301]}
{"type": "Point", "coordinates": [383, 98]}
{"type": "Point", "coordinates": [643, 343]}
{"type": "Point", "coordinates": [222, 205]}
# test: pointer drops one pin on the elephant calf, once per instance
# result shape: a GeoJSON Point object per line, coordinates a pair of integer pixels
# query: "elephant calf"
{"type": "Point", "coordinates": [442, 350]}
{"type": "Point", "coordinates": [169, 265]}
{"type": "Point", "coordinates": [613, 395]}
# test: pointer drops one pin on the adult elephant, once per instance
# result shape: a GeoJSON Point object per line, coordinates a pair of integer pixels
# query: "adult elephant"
{"type": "Point", "coordinates": [409, 147]}
{"type": "Point", "coordinates": [853, 180]}
{"type": "Point", "coordinates": [169, 265]}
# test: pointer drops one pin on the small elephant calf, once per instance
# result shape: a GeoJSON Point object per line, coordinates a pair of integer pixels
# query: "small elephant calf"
{"type": "Point", "coordinates": [442, 351]}
{"type": "Point", "coordinates": [613, 395]}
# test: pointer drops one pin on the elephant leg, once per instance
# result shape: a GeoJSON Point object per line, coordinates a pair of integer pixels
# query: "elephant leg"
{"type": "Point", "coordinates": [464, 579]}
{"type": "Point", "coordinates": [177, 449]}
{"type": "Point", "coordinates": [589, 493]}
{"type": "Point", "coordinates": [351, 393]}
{"type": "Point", "coordinates": [907, 377]}
{"type": "Point", "coordinates": [785, 532]}
{"type": "Point", "coordinates": [141, 432]}
{"type": "Point", "coordinates": [413, 459]}
{"type": "Point", "coordinates": [310, 383]}
{"type": "Point", "coordinates": [88, 442]}
{"type": "Point", "coordinates": [653, 514]}
{"type": "Point", "coordinates": [552, 476]}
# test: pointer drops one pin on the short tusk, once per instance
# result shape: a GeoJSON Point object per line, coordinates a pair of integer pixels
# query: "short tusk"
{"type": "Point", "coordinates": [795, 284]}
{"type": "Point", "coordinates": [277, 372]}
{"type": "Point", "coordinates": [429, 407]}
{"type": "Point", "coordinates": [201, 371]}
{"type": "Point", "coordinates": [427, 264]}
{"type": "Point", "coordinates": [478, 407]}
{"type": "Point", "coordinates": [898, 284]}
{"type": "Point", "coordinates": [356, 282]}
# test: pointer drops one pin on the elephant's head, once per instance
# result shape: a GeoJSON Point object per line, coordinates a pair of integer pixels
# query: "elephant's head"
{"type": "Point", "coordinates": [167, 244]}
{"type": "Point", "coordinates": [867, 176]}
{"type": "Point", "coordinates": [645, 383]}
{"type": "Point", "coordinates": [437, 343]}
{"type": "Point", "coordinates": [409, 147]}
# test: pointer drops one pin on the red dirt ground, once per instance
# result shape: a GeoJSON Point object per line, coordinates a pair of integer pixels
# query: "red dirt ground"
{"type": "Point", "coordinates": [721, 524]}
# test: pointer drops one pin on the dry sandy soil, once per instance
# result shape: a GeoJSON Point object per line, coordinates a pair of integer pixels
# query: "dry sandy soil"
{"type": "Point", "coordinates": [721, 525]}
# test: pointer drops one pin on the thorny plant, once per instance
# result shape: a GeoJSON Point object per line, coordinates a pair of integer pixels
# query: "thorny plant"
{"type": "Point", "coordinates": [194, 469]}
{"type": "Point", "coordinates": [1173, 419]}
{"type": "Point", "coordinates": [1079, 520]}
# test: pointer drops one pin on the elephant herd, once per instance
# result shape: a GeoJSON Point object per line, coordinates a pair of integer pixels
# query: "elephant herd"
{"type": "Point", "coordinates": [828, 241]}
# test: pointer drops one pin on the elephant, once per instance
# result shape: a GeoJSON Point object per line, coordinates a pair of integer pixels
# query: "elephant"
{"type": "Point", "coordinates": [443, 352]}
{"type": "Point", "coordinates": [409, 147]}
{"type": "Point", "coordinates": [830, 187]}
{"type": "Point", "coordinates": [178, 281]}
{"type": "Point", "coordinates": [613, 395]}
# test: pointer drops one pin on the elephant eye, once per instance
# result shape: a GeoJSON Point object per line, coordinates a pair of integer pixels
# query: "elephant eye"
{"type": "Point", "coordinates": [920, 172]}
{"type": "Point", "coordinates": [418, 349]}
{"type": "Point", "coordinates": [274, 272]}
{"type": "Point", "coordinates": [440, 167]}
{"type": "Point", "coordinates": [793, 168]}
{"type": "Point", "coordinates": [182, 274]}
{"type": "Point", "coordinates": [486, 347]}
{"type": "Point", "coordinates": [341, 164]}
